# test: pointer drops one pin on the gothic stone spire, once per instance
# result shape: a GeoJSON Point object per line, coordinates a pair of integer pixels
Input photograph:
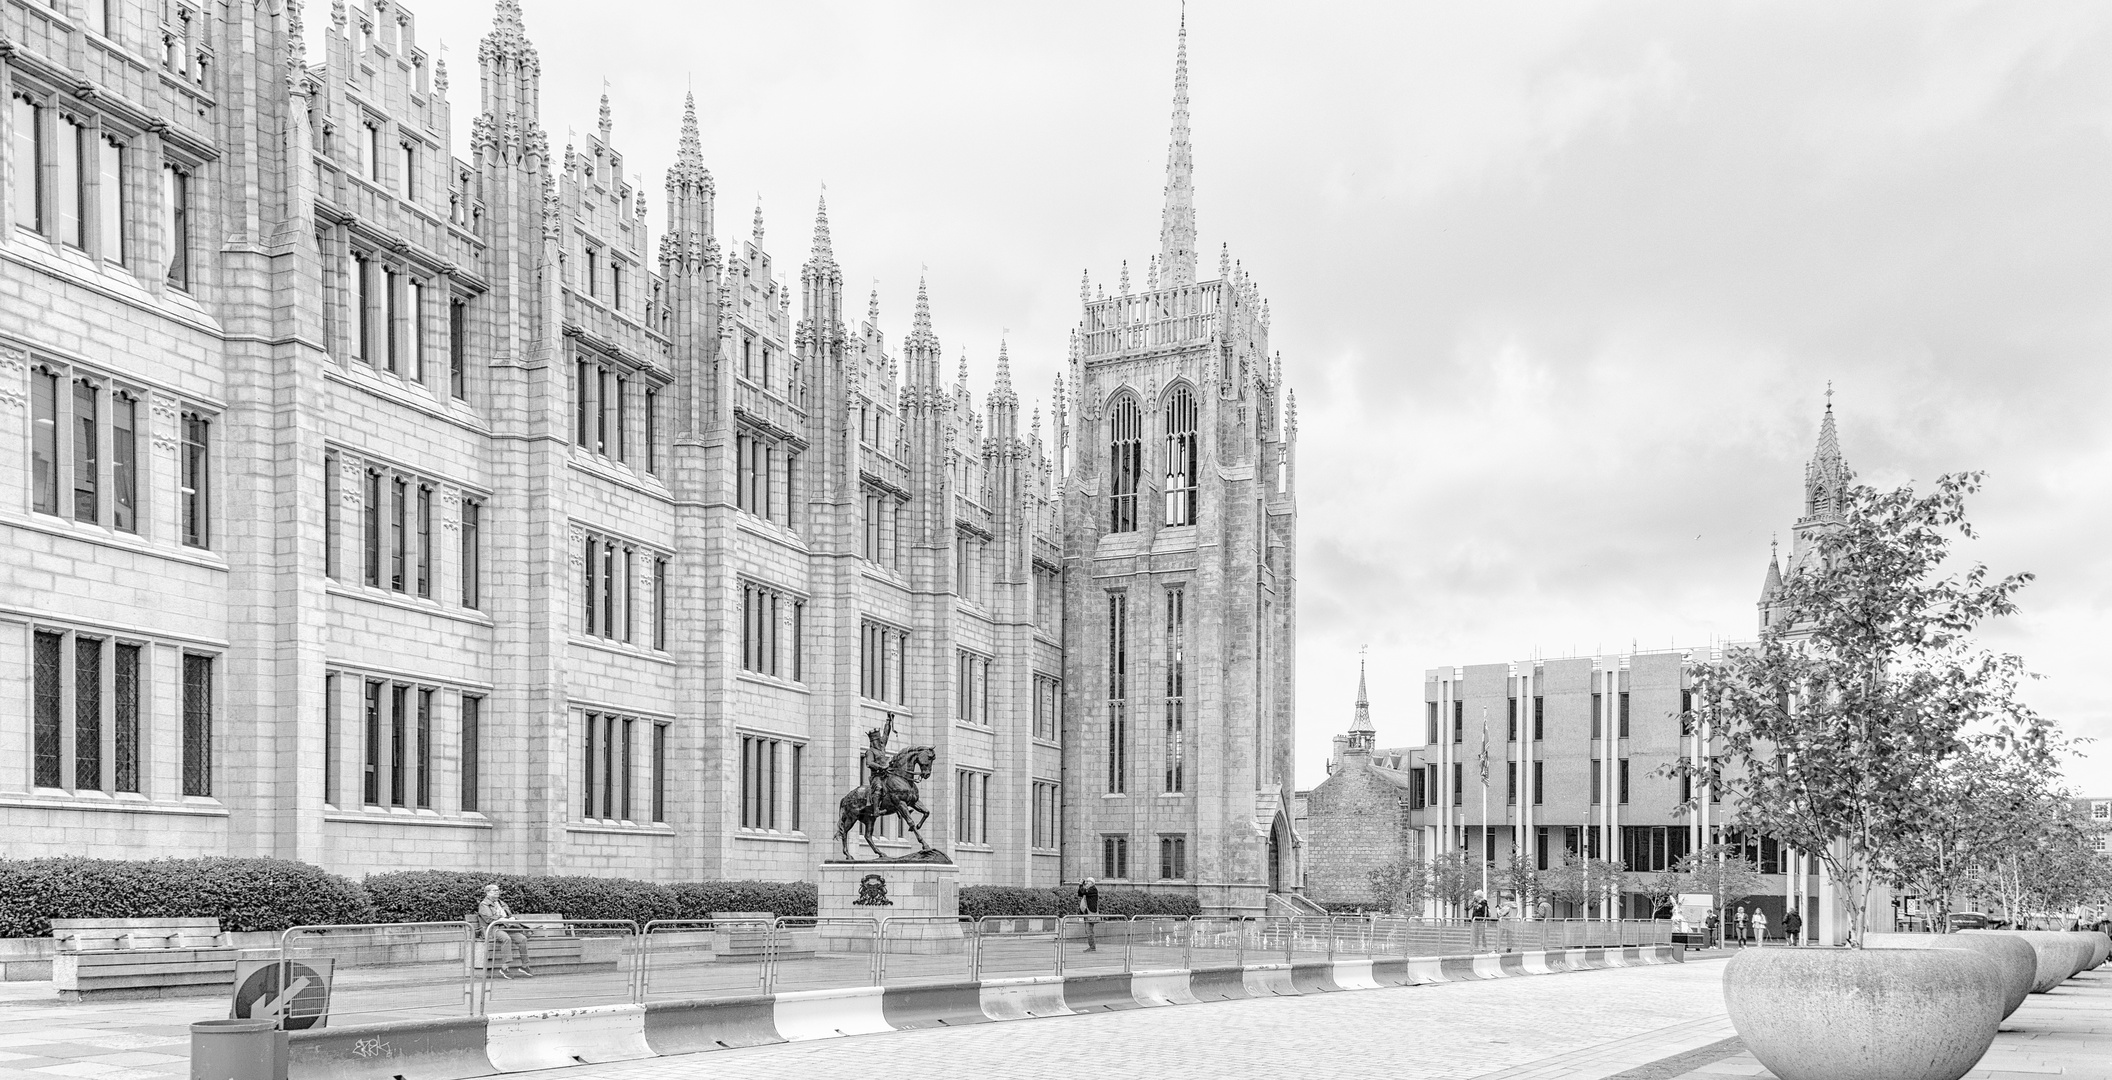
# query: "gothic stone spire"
{"type": "Point", "coordinates": [1177, 225]}
{"type": "Point", "coordinates": [822, 252]}
{"type": "Point", "coordinates": [689, 170]}
{"type": "Point", "coordinates": [1827, 475]}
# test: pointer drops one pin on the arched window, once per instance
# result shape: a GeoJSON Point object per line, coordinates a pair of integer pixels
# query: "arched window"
{"type": "Point", "coordinates": [1125, 458]}
{"type": "Point", "coordinates": [1180, 458]}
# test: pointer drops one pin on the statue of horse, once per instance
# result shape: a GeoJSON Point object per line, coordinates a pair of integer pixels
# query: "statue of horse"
{"type": "Point", "coordinates": [895, 794]}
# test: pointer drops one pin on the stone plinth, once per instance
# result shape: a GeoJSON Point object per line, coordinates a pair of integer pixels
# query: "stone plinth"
{"type": "Point", "coordinates": [920, 901]}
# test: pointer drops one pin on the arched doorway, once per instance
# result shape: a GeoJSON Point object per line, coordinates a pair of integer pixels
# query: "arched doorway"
{"type": "Point", "coordinates": [1276, 846]}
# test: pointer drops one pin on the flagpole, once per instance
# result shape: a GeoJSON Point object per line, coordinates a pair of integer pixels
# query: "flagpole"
{"type": "Point", "coordinates": [1482, 855]}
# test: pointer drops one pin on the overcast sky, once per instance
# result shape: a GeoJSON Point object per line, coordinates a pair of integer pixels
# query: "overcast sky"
{"type": "Point", "coordinates": [1559, 287]}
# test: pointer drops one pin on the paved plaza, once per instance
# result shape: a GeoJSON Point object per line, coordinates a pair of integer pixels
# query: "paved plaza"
{"type": "Point", "coordinates": [1653, 1023]}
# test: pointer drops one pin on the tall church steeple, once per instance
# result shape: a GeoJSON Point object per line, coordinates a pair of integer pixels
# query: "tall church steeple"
{"type": "Point", "coordinates": [1177, 221]}
{"type": "Point", "coordinates": [1361, 734]}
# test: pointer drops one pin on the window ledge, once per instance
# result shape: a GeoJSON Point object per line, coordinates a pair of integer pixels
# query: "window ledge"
{"type": "Point", "coordinates": [619, 648]}
{"type": "Point", "coordinates": [424, 819]}
{"type": "Point", "coordinates": [777, 682]}
{"type": "Point", "coordinates": [770, 836]}
{"type": "Point", "coordinates": [424, 605]}
{"type": "Point", "coordinates": [980, 849]}
{"type": "Point", "coordinates": [623, 828]}
{"type": "Point", "coordinates": [1050, 743]}
{"type": "Point", "coordinates": [970, 725]}
{"type": "Point", "coordinates": [60, 799]}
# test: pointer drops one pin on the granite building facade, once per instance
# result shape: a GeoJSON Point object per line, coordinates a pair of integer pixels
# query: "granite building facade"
{"type": "Point", "coordinates": [386, 510]}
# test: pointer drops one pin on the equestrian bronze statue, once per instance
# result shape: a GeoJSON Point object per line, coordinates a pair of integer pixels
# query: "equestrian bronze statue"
{"type": "Point", "coordinates": [890, 789]}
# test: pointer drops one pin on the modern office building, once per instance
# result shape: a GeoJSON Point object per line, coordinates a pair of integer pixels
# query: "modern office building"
{"type": "Point", "coordinates": [1573, 749]}
{"type": "Point", "coordinates": [387, 510]}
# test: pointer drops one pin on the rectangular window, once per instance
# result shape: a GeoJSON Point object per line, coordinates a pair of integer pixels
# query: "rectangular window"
{"type": "Point", "coordinates": [1624, 714]}
{"type": "Point", "coordinates": [197, 519]}
{"type": "Point", "coordinates": [197, 725]}
{"type": "Point", "coordinates": [391, 319]}
{"type": "Point", "coordinates": [1510, 783]}
{"type": "Point", "coordinates": [415, 332]}
{"type": "Point", "coordinates": [110, 201]}
{"type": "Point", "coordinates": [44, 439]}
{"type": "Point", "coordinates": [1430, 723]}
{"type": "Point", "coordinates": [330, 733]}
{"type": "Point", "coordinates": [1458, 783]}
{"type": "Point", "coordinates": [370, 787]}
{"type": "Point", "coordinates": [472, 749]}
{"type": "Point", "coordinates": [610, 777]}
{"type": "Point", "coordinates": [660, 609]}
{"type": "Point", "coordinates": [1511, 726]}
{"type": "Point", "coordinates": [1459, 721]}
{"type": "Point", "coordinates": [457, 344]}
{"type": "Point", "coordinates": [1117, 692]}
{"type": "Point", "coordinates": [425, 748]}
{"type": "Point", "coordinates": [399, 530]}
{"type": "Point", "coordinates": [49, 724]}
{"type": "Point", "coordinates": [1176, 691]}
{"type": "Point", "coordinates": [799, 637]}
{"type": "Point", "coordinates": [630, 593]}
{"type": "Point", "coordinates": [176, 225]}
{"type": "Point", "coordinates": [1045, 812]}
{"type": "Point", "coordinates": [761, 609]}
{"type": "Point", "coordinates": [652, 431]}
{"type": "Point", "coordinates": [660, 773]}
{"type": "Point", "coordinates": [972, 695]}
{"type": "Point", "coordinates": [425, 540]}
{"type": "Point", "coordinates": [363, 305]}
{"type": "Point", "coordinates": [1114, 857]}
{"type": "Point", "coordinates": [75, 166]}
{"type": "Point", "coordinates": [125, 719]}
{"type": "Point", "coordinates": [408, 161]}
{"type": "Point", "coordinates": [1598, 710]}
{"type": "Point", "coordinates": [1048, 707]}
{"type": "Point", "coordinates": [1686, 713]}
{"type": "Point", "coordinates": [608, 589]}
{"type": "Point", "coordinates": [627, 740]}
{"type": "Point", "coordinates": [124, 461]}
{"type": "Point", "coordinates": [588, 786]}
{"type": "Point", "coordinates": [1539, 790]}
{"type": "Point", "coordinates": [1173, 857]}
{"type": "Point", "coordinates": [1539, 716]}
{"type": "Point", "coordinates": [1624, 779]}
{"type": "Point", "coordinates": [585, 380]}
{"type": "Point", "coordinates": [27, 194]}
{"type": "Point", "coordinates": [87, 714]}
{"type": "Point", "coordinates": [399, 741]}
{"type": "Point", "coordinates": [971, 806]}
{"type": "Point", "coordinates": [769, 782]}
{"type": "Point", "coordinates": [86, 443]}
{"type": "Point", "coordinates": [472, 553]}
{"type": "Point", "coordinates": [882, 654]}
{"type": "Point", "coordinates": [1436, 792]}
{"type": "Point", "coordinates": [1598, 782]}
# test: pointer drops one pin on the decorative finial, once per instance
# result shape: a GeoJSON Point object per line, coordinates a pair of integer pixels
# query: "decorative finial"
{"type": "Point", "coordinates": [757, 233]}
{"type": "Point", "coordinates": [1123, 289]}
{"type": "Point", "coordinates": [822, 252]}
{"type": "Point", "coordinates": [1177, 220]}
{"type": "Point", "coordinates": [1085, 286]}
{"type": "Point", "coordinates": [607, 119]}
{"type": "Point", "coordinates": [1224, 260]}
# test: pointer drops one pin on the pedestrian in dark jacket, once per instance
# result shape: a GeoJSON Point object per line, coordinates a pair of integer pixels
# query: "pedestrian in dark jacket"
{"type": "Point", "coordinates": [1793, 927]}
{"type": "Point", "coordinates": [1089, 906]}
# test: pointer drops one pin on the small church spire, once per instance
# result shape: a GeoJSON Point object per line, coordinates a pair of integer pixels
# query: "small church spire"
{"type": "Point", "coordinates": [1361, 733]}
{"type": "Point", "coordinates": [1177, 222]}
{"type": "Point", "coordinates": [689, 170]}
{"type": "Point", "coordinates": [822, 252]}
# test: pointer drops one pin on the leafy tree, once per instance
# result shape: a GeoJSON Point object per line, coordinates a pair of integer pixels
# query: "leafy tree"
{"type": "Point", "coordinates": [1723, 871]}
{"type": "Point", "coordinates": [1454, 877]}
{"type": "Point", "coordinates": [1979, 807]}
{"type": "Point", "coordinates": [1822, 734]}
{"type": "Point", "coordinates": [2049, 863]}
{"type": "Point", "coordinates": [1573, 879]}
{"type": "Point", "coordinates": [1522, 880]}
{"type": "Point", "coordinates": [1402, 884]}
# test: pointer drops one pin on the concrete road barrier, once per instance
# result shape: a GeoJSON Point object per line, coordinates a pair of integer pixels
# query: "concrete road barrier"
{"type": "Point", "coordinates": [555, 1038]}
{"type": "Point", "coordinates": [689, 1027]}
{"type": "Point", "coordinates": [1024, 999]}
{"type": "Point", "coordinates": [826, 1014]}
{"type": "Point", "coordinates": [450, 1049]}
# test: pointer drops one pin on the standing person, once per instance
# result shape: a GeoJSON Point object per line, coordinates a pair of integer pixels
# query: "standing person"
{"type": "Point", "coordinates": [1760, 926]}
{"type": "Point", "coordinates": [1710, 926]}
{"type": "Point", "coordinates": [1089, 906]}
{"type": "Point", "coordinates": [1738, 926]}
{"type": "Point", "coordinates": [1544, 910]}
{"type": "Point", "coordinates": [1793, 927]}
{"type": "Point", "coordinates": [1478, 912]}
{"type": "Point", "coordinates": [492, 911]}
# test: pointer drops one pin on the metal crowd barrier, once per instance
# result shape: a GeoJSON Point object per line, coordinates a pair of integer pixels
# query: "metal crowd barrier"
{"type": "Point", "coordinates": [395, 970]}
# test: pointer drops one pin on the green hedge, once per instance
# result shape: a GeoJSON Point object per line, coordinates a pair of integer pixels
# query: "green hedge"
{"type": "Point", "coordinates": [978, 901]}
{"type": "Point", "coordinates": [445, 895]}
{"type": "Point", "coordinates": [243, 894]}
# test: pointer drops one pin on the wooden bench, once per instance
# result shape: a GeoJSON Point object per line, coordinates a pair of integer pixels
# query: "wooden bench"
{"type": "Point", "coordinates": [140, 958]}
{"type": "Point", "coordinates": [553, 949]}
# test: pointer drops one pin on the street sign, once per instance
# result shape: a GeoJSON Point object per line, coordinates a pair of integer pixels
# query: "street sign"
{"type": "Point", "coordinates": [300, 1002]}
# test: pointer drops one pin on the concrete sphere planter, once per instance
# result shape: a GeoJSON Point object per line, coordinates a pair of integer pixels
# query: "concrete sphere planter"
{"type": "Point", "coordinates": [2101, 944]}
{"type": "Point", "coordinates": [1865, 1014]}
{"type": "Point", "coordinates": [2060, 956]}
{"type": "Point", "coordinates": [2017, 959]}
{"type": "Point", "coordinates": [2096, 942]}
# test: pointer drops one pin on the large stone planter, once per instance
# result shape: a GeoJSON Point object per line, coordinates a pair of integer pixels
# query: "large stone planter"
{"type": "Point", "coordinates": [2100, 946]}
{"type": "Point", "coordinates": [2060, 956]}
{"type": "Point", "coordinates": [1864, 1014]}
{"type": "Point", "coordinates": [2017, 959]}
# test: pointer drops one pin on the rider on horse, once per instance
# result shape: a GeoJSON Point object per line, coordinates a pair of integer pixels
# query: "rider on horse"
{"type": "Point", "coordinates": [877, 758]}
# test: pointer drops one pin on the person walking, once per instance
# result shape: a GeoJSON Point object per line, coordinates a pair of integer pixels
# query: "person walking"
{"type": "Point", "coordinates": [494, 922]}
{"type": "Point", "coordinates": [1793, 927]}
{"type": "Point", "coordinates": [1760, 926]}
{"type": "Point", "coordinates": [1738, 926]}
{"type": "Point", "coordinates": [1089, 907]}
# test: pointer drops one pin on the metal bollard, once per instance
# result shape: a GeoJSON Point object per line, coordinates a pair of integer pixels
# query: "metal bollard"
{"type": "Point", "coordinates": [237, 1050]}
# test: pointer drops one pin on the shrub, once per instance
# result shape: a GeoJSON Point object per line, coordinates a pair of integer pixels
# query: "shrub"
{"type": "Point", "coordinates": [978, 901]}
{"type": "Point", "coordinates": [698, 899]}
{"type": "Point", "coordinates": [440, 895]}
{"type": "Point", "coordinates": [242, 894]}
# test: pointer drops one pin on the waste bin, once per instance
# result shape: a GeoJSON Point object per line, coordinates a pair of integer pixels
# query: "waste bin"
{"type": "Point", "coordinates": [237, 1050]}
